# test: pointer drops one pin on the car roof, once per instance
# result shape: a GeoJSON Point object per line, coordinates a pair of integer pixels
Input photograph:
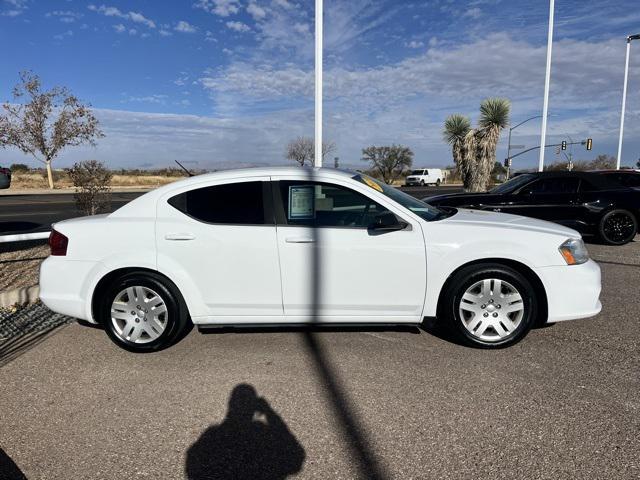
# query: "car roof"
{"type": "Point", "coordinates": [595, 178]}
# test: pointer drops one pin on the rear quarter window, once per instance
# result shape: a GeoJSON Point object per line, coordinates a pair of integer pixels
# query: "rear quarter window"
{"type": "Point", "coordinates": [232, 204]}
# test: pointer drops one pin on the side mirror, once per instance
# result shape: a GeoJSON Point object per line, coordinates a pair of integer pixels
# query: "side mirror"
{"type": "Point", "coordinates": [387, 222]}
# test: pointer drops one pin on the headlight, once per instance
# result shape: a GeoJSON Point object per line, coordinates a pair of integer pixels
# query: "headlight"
{"type": "Point", "coordinates": [574, 252]}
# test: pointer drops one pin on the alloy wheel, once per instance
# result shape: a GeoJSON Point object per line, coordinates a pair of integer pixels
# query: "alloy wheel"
{"type": "Point", "coordinates": [491, 309]}
{"type": "Point", "coordinates": [618, 227]}
{"type": "Point", "coordinates": [139, 315]}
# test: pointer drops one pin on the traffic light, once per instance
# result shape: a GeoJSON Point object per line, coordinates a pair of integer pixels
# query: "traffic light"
{"type": "Point", "coordinates": [507, 162]}
{"type": "Point", "coordinates": [564, 145]}
{"type": "Point", "coordinates": [589, 143]}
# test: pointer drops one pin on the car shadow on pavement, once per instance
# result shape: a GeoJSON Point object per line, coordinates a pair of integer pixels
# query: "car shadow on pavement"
{"type": "Point", "coordinates": [8, 468]}
{"type": "Point", "coordinates": [26, 328]}
{"type": "Point", "coordinates": [252, 442]}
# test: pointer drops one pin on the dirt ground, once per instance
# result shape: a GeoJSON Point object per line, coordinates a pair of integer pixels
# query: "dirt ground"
{"type": "Point", "coordinates": [20, 264]}
{"type": "Point", "coordinates": [20, 181]}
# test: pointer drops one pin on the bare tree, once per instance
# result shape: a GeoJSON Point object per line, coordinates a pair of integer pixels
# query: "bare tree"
{"type": "Point", "coordinates": [47, 122]}
{"type": "Point", "coordinates": [389, 162]}
{"type": "Point", "coordinates": [92, 181]}
{"type": "Point", "coordinates": [302, 150]}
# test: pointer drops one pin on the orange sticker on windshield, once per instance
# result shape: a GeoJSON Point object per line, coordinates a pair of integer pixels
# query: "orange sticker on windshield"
{"type": "Point", "coordinates": [372, 184]}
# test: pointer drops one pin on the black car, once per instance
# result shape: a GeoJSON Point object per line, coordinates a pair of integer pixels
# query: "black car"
{"type": "Point", "coordinates": [592, 203]}
{"type": "Point", "coordinates": [5, 178]}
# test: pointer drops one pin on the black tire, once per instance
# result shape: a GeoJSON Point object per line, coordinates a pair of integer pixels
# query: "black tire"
{"type": "Point", "coordinates": [449, 308]}
{"type": "Point", "coordinates": [617, 227]}
{"type": "Point", "coordinates": [438, 183]}
{"type": "Point", "coordinates": [422, 183]}
{"type": "Point", "coordinates": [177, 318]}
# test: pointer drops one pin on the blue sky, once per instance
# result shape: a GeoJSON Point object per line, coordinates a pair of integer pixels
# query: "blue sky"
{"type": "Point", "coordinates": [224, 83]}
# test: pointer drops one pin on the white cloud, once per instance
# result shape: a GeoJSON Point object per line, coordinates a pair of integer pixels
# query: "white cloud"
{"type": "Point", "coordinates": [156, 98]}
{"type": "Point", "coordinates": [223, 8]}
{"type": "Point", "coordinates": [16, 7]}
{"type": "Point", "coordinates": [165, 33]}
{"type": "Point", "coordinates": [65, 16]}
{"type": "Point", "coordinates": [135, 17]}
{"type": "Point", "coordinates": [238, 26]}
{"type": "Point", "coordinates": [119, 28]}
{"type": "Point", "coordinates": [184, 27]}
{"type": "Point", "coordinates": [133, 31]}
{"type": "Point", "coordinates": [61, 36]}
{"type": "Point", "coordinates": [256, 11]}
{"type": "Point", "coordinates": [414, 44]}
{"type": "Point", "coordinates": [139, 18]}
{"type": "Point", "coordinates": [474, 12]}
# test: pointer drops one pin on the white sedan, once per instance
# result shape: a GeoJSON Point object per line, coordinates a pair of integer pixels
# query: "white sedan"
{"type": "Point", "coordinates": [296, 246]}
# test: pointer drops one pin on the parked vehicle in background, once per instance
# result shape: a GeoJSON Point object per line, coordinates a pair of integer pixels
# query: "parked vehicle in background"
{"type": "Point", "coordinates": [277, 246]}
{"type": "Point", "coordinates": [589, 202]}
{"type": "Point", "coordinates": [425, 176]}
{"type": "Point", "coordinates": [5, 178]}
{"type": "Point", "coordinates": [627, 178]}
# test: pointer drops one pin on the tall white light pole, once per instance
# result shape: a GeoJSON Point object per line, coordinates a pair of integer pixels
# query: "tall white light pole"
{"type": "Point", "coordinates": [547, 79]}
{"type": "Point", "coordinates": [318, 112]}
{"type": "Point", "coordinates": [624, 98]}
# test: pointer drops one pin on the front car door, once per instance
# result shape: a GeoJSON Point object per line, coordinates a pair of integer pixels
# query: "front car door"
{"type": "Point", "coordinates": [221, 238]}
{"type": "Point", "coordinates": [334, 268]}
{"type": "Point", "coordinates": [551, 198]}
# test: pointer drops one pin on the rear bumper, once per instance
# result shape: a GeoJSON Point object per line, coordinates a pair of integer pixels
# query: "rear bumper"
{"type": "Point", "coordinates": [65, 286]}
{"type": "Point", "coordinates": [572, 291]}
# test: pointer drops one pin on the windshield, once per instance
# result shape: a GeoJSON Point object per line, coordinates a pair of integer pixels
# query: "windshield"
{"type": "Point", "coordinates": [416, 172]}
{"type": "Point", "coordinates": [418, 207]}
{"type": "Point", "coordinates": [513, 184]}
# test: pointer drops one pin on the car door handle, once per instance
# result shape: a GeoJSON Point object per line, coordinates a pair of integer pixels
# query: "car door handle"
{"type": "Point", "coordinates": [179, 236]}
{"type": "Point", "coordinates": [300, 240]}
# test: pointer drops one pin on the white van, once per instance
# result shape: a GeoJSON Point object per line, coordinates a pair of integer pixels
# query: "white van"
{"type": "Point", "coordinates": [425, 176]}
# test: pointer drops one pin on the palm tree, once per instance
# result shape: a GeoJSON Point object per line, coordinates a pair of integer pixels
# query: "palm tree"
{"type": "Point", "coordinates": [474, 150]}
{"type": "Point", "coordinates": [456, 127]}
{"type": "Point", "coordinates": [494, 117]}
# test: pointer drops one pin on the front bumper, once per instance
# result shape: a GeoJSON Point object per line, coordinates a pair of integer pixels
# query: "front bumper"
{"type": "Point", "coordinates": [573, 291]}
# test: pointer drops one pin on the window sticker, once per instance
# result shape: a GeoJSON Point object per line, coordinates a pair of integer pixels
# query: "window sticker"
{"type": "Point", "coordinates": [301, 202]}
{"type": "Point", "coordinates": [372, 184]}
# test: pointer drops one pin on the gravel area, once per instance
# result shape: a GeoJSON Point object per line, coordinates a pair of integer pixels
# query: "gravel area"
{"type": "Point", "coordinates": [20, 263]}
{"type": "Point", "coordinates": [23, 328]}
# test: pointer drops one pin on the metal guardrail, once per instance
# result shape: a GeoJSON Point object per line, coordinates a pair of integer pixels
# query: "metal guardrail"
{"type": "Point", "coordinates": [23, 237]}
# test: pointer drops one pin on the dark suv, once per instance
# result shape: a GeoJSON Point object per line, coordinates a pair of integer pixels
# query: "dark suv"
{"type": "Point", "coordinates": [5, 178]}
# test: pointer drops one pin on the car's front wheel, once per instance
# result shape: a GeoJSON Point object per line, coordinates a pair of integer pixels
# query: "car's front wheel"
{"type": "Point", "coordinates": [142, 312]}
{"type": "Point", "coordinates": [618, 227]}
{"type": "Point", "coordinates": [489, 305]}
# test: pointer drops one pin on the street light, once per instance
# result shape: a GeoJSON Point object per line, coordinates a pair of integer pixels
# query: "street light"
{"type": "Point", "coordinates": [318, 85]}
{"type": "Point", "coordinates": [547, 80]}
{"type": "Point", "coordinates": [624, 97]}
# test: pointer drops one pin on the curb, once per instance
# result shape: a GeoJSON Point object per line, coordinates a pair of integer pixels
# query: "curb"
{"type": "Point", "coordinates": [19, 296]}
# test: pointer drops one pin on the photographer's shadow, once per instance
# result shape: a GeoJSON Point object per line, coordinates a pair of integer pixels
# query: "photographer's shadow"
{"type": "Point", "coordinates": [251, 443]}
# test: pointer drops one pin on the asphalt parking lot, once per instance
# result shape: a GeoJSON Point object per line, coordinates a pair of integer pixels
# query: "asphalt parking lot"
{"type": "Point", "coordinates": [395, 403]}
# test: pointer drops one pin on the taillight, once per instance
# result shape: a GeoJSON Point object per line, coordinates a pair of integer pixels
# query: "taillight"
{"type": "Point", "coordinates": [58, 243]}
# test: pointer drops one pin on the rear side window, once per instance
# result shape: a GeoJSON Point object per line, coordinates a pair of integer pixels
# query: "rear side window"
{"type": "Point", "coordinates": [555, 185]}
{"type": "Point", "coordinates": [233, 204]}
{"type": "Point", "coordinates": [625, 179]}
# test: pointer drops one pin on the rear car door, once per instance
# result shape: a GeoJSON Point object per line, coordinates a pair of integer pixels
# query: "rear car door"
{"type": "Point", "coordinates": [334, 268]}
{"type": "Point", "coordinates": [222, 236]}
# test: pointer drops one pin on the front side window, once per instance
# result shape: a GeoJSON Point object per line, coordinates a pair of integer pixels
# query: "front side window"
{"type": "Point", "coordinates": [326, 205]}
{"type": "Point", "coordinates": [233, 203]}
{"type": "Point", "coordinates": [420, 208]}
{"type": "Point", "coordinates": [417, 172]}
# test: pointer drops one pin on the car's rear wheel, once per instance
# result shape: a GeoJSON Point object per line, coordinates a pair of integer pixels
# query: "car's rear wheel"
{"type": "Point", "coordinates": [489, 305]}
{"type": "Point", "coordinates": [142, 312]}
{"type": "Point", "coordinates": [618, 227]}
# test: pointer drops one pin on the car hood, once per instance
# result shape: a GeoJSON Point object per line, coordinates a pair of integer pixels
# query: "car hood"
{"type": "Point", "coordinates": [459, 197]}
{"type": "Point", "coordinates": [482, 218]}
